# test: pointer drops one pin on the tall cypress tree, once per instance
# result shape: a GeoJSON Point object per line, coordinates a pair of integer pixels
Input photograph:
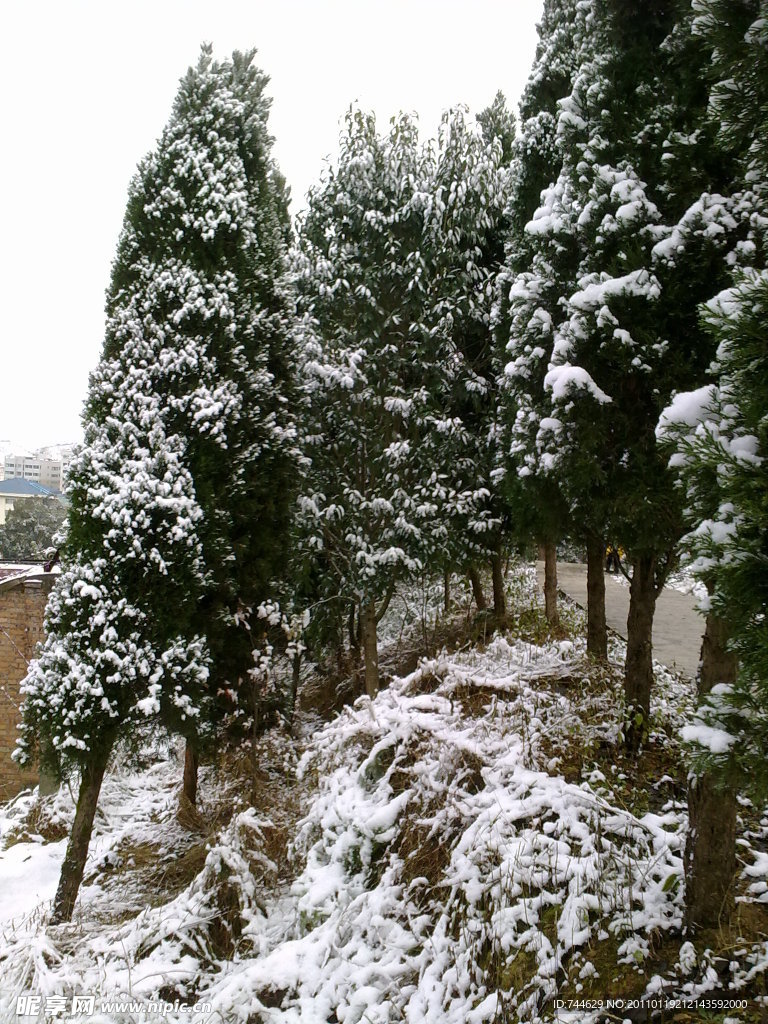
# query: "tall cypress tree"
{"type": "Point", "coordinates": [361, 275]}
{"type": "Point", "coordinates": [534, 277]}
{"type": "Point", "coordinates": [720, 431]}
{"type": "Point", "coordinates": [179, 498]}
{"type": "Point", "coordinates": [394, 265]}
{"type": "Point", "coordinates": [626, 335]}
{"type": "Point", "coordinates": [465, 229]}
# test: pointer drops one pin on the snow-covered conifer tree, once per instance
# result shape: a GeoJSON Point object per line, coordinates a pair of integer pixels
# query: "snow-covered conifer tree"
{"type": "Point", "coordinates": [371, 371]}
{"type": "Point", "coordinates": [537, 158]}
{"type": "Point", "coordinates": [179, 497]}
{"type": "Point", "coordinates": [359, 272]}
{"type": "Point", "coordinates": [394, 268]}
{"type": "Point", "coordinates": [627, 334]}
{"type": "Point", "coordinates": [464, 236]}
{"type": "Point", "coordinates": [529, 287]}
{"type": "Point", "coordinates": [723, 452]}
{"type": "Point", "coordinates": [720, 431]}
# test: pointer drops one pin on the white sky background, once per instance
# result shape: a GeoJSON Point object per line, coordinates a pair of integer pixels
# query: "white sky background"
{"type": "Point", "coordinates": [87, 87]}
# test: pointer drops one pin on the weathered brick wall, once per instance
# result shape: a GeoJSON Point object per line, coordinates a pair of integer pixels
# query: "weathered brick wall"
{"type": "Point", "coordinates": [22, 605]}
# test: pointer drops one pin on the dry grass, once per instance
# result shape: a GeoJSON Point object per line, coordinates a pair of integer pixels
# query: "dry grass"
{"type": "Point", "coordinates": [424, 853]}
{"type": "Point", "coordinates": [263, 776]}
{"type": "Point", "coordinates": [748, 924]}
{"type": "Point", "coordinates": [474, 700]}
{"type": "Point", "coordinates": [424, 848]}
{"type": "Point", "coordinates": [151, 867]}
{"type": "Point", "coordinates": [530, 624]}
{"type": "Point", "coordinates": [37, 822]}
{"type": "Point", "coordinates": [615, 980]}
{"type": "Point", "coordinates": [141, 874]}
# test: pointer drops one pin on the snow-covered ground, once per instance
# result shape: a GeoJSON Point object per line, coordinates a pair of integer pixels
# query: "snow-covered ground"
{"type": "Point", "coordinates": [686, 583]}
{"type": "Point", "coordinates": [464, 849]}
{"type": "Point", "coordinates": [682, 580]}
{"type": "Point", "coordinates": [29, 870]}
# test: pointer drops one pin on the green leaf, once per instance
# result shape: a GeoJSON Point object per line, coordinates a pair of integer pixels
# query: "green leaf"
{"type": "Point", "coordinates": [671, 883]}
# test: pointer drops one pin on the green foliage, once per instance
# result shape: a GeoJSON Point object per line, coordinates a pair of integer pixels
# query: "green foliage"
{"type": "Point", "coordinates": [470, 183]}
{"type": "Point", "coordinates": [722, 438]}
{"type": "Point", "coordinates": [394, 264]}
{"type": "Point", "coordinates": [719, 431]}
{"type": "Point", "coordinates": [599, 296]}
{"type": "Point", "coordinates": [562, 35]}
{"type": "Point", "coordinates": [361, 277]}
{"type": "Point", "coordinates": [180, 497]}
{"type": "Point", "coordinates": [532, 281]}
{"type": "Point", "coordinates": [30, 526]}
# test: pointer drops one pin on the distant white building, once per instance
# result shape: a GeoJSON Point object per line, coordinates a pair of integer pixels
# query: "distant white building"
{"type": "Point", "coordinates": [38, 471]}
{"type": "Point", "coordinates": [47, 466]}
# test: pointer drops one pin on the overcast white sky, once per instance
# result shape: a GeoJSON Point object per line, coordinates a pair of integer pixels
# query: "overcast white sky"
{"type": "Point", "coordinates": [87, 86]}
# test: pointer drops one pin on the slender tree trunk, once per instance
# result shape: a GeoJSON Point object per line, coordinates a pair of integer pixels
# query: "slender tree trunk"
{"type": "Point", "coordinates": [77, 848]}
{"type": "Point", "coordinates": [341, 654]}
{"type": "Point", "coordinates": [717, 664]}
{"type": "Point", "coordinates": [350, 627]}
{"type": "Point", "coordinates": [638, 668]}
{"type": "Point", "coordinates": [381, 612]}
{"type": "Point", "coordinates": [597, 633]}
{"type": "Point", "coordinates": [710, 849]}
{"type": "Point", "coordinates": [354, 640]}
{"type": "Point", "coordinates": [370, 649]}
{"type": "Point", "coordinates": [477, 588]}
{"type": "Point", "coordinates": [499, 597]}
{"type": "Point", "coordinates": [191, 763]}
{"type": "Point", "coordinates": [48, 783]}
{"type": "Point", "coordinates": [295, 681]}
{"type": "Point", "coordinates": [446, 591]}
{"type": "Point", "coordinates": [550, 583]}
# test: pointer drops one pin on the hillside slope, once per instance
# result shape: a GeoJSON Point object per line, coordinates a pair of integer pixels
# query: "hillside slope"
{"type": "Point", "coordinates": [467, 848]}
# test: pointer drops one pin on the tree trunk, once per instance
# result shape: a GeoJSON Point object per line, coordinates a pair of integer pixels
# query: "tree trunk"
{"type": "Point", "coordinates": [710, 853]}
{"type": "Point", "coordinates": [717, 665]}
{"type": "Point", "coordinates": [189, 785]}
{"type": "Point", "coordinates": [638, 668]}
{"type": "Point", "coordinates": [446, 591]}
{"type": "Point", "coordinates": [499, 597]}
{"type": "Point", "coordinates": [341, 655]}
{"type": "Point", "coordinates": [47, 783]}
{"type": "Point", "coordinates": [477, 588]}
{"type": "Point", "coordinates": [710, 849]}
{"type": "Point", "coordinates": [381, 612]}
{"type": "Point", "coordinates": [550, 583]}
{"type": "Point", "coordinates": [354, 634]}
{"type": "Point", "coordinates": [293, 695]}
{"type": "Point", "coordinates": [370, 649]}
{"type": "Point", "coordinates": [597, 633]}
{"type": "Point", "coordinates": [77, 848]}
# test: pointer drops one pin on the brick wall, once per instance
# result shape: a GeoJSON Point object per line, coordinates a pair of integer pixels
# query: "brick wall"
{"type": "Point", "coordinates": [22, 604]}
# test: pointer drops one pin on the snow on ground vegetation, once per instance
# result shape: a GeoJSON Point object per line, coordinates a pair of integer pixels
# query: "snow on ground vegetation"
{"type": "Point", "coordinates": [464, 849]}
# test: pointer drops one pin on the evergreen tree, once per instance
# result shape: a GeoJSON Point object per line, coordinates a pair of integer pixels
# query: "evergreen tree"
{"type": "Point", "coordinates": [720, 432]}
{"type": "Point", "coordinates": [529, 287]}
{"type": "Point", "coordinates": [395, 261]}
{"type": "Point", "coordinates": [179, 497]}
{"type": "Point", "coordinates": [361, 276]}
{"type": "Point", "coordinates": [29, 528]}
{"type": "Point", "coordinates": [537, 158]}
{"type": "Point", "coordinates": [465, 230]}
{"type": "Point", "coordinates": [627, 335]}
{"type": "Point", "coordinates": [529, 306]}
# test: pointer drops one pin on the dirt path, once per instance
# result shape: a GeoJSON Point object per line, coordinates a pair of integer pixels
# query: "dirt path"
{"type": "Point", "coordinates": [677, 626]}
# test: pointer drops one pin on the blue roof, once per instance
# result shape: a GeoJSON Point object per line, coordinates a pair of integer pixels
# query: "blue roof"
{"type": "Point", "coordinates": [18, 487]}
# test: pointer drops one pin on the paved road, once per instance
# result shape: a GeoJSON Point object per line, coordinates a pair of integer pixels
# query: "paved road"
{"type": "Point", "coordinates": [677, 626]}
